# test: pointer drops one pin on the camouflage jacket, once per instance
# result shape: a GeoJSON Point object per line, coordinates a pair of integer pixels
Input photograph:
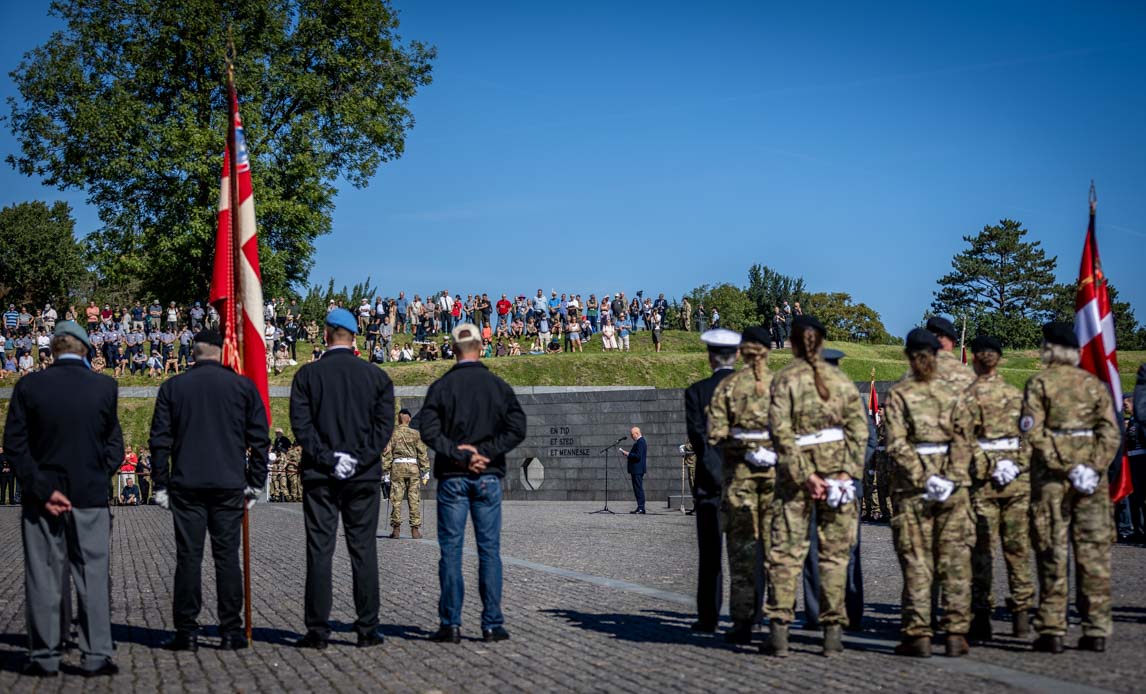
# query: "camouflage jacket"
{"type": "Point", "coordinates": [949, 369]}
{"type": "Point", "coordinates": [290, 466]}
{"type": "Point", "coordinates": [1059, 405]}
{"type": "Point", "coordinates": [797, 410]}
{"type": "Point", "coordinates": [405, 443]}
{"type": "Point", "coordinates": [989, 411]}
{"type": "Point", "coordinates": [917, 413]}
{"type": "Point", "coordinates": [736, 406]}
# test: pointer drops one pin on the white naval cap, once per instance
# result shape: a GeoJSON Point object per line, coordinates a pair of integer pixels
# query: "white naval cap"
{"type": "Point", "coordinates": [720, 338]}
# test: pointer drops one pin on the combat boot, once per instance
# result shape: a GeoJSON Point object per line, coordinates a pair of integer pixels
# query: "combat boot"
{"type": "Point", "coordinates": [778, 644]}
{"type": "Point", "coordinates": [397, 532]}
{"type": "Point", "coordinates": [1092, 643]}
{"type": "Point", "coordinates": [740, 634]}
{"type": "Point", "coordinates": [981, 626]}
{"type": "Point", "coordinates": [1021, 624]}
{"type": "Point", "coordinates": [833, 640]}
{"type": "Point", "coordinates": [416, 533]}
{"type": "Point", "coordinates": [914, 647]}
{"type": "Point", "coordinates": [1048, 643]}
{"type": "Point", "coordinates": [957, 646]}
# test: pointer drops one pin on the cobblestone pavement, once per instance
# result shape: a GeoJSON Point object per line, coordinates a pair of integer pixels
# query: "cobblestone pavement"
{"type": "Point", "coordinates": [594, 603]}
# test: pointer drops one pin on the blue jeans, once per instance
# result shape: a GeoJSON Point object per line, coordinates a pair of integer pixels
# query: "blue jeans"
{"type": "Point", "coordinates": [478, 496]}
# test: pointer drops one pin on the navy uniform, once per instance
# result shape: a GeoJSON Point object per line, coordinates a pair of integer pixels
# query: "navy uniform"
{"type": "Point", "coordinates": [707, 482]}
{"type": "Point", "coordinates": [63, 438]}
{"type": "Point", "coordinates": [342, 414]}
{"type": "Point", "coordinates": [205, 422]}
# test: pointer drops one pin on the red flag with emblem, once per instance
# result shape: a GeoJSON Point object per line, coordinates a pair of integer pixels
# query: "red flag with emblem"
{"type": "Point", "coordinates": [1094, 326]}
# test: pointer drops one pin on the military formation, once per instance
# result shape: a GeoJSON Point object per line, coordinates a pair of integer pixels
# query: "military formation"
{"type": "Point", "coordinates": [962, 462]}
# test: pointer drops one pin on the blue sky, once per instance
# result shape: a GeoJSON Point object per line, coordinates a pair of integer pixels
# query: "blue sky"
{"type": "Point", "coordinates": [599, 146]}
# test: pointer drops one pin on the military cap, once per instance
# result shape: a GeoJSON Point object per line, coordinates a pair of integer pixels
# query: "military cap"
{"type": "Point", "coordinates": [833, 356]}
{"type": "Point", "coordinates": [920, 339]}
{"type": "Point", "coordinates": [986, 343]}
{"type": "Point", "coordinates": [942, 326]}
{"type": "Point", "coordinates": [72, 329]}
{"type": "Point", "coordinates": [758, 334]}
{"type": "Point", "coordinates": [1060, 333]}
{"type": "Point", "coordinates": [341, 318]}
{"type": "Point", "coordinates": [405, 412]}
{"type": "Point", "coordinates": [803, 321]}
{"type": "Point", "coordinates": [466, 332]}
{"type": "Point", "coordinates": [720, 339]}
{"type": "Point", "coordinates": [209, 337]}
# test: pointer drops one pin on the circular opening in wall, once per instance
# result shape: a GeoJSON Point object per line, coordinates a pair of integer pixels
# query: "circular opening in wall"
{"type": "Point", "coordinates": [532, 474]}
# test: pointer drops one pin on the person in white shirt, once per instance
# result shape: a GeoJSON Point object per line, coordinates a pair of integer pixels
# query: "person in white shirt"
{"type": "Point", "coordinates": [363, 315]}
{"type": "Point", "coordinates": [446, 302]}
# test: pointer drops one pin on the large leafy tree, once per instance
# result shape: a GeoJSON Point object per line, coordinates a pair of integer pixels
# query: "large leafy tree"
{"type": "Point", "coordinates": [41, 260]}
{"type": "Point", "coordinates": [127, 102]}
{"type": "Point", "coordinates": [845, 320]}
{"type": "Point", "coordinates": [1002, 283]}
{"type": "Point", "coordinates": [769, 289]}
{"type": "Point", "coordinates": [736, 310]}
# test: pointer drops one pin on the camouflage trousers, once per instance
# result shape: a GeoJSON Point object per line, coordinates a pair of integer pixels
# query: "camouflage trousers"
{"type": "Point", "coordinates": [1009, 520]}
{"type": "Point", "coordinates": [867, 507]}
{"type": "Point", "coordinates": [279, 486]}
{"type": "Point", "coordinates": [933, 542]}
{"type": "Point", "coordinates": [746, 510]}
{"type": "Point", "coordinates": [294, 489]}
{"type": "Point", "coordinates": [836, 533]}
{"type": "Point", "coordinates": [1061, 515]}
{"type": "Point", "coordinates": [690, 473]}
{"type": "Point", "coordinates": [405, 484]}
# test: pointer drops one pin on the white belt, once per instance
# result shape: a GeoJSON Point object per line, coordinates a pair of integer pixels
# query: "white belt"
{"type": "Point", "coordinates": [750, 434]}
{"type": "Point", "coordinates": [1074, 433]}
{"type": "Point", "coordinates": [405, 460]}
{"type": "Point", "coordinates": [1011, 444]}
{"type": "Point", "coordinates": [824, 436]}
{"type": "Point", "coordinates": [931, 448]}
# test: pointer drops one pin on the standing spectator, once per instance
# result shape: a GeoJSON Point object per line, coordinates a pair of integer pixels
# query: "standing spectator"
{"type": "Point", "coordinates": [573, 335]}
{"type": "Point", "coordinates": [7, 481]}
{"type": "Point", "coordinates": [779, 328]}
{"type": "Point", "coordinates": [173, 317]}
{"type": "Point", "coordinates": [400, 308]}
{"type": "Point", "coordinates": [503, 309]}
{"type": "Point", "coordinates": [196, 315]}
{"type": "Point", "coordinates": [446, 302]}
{"type": "Point", "coordinates": [592, 311]}
{"type": "Point", "coordinates": [91, 313]}
{"type": "Point", "coordinates": [715, 318]}
{"type": "Point", "coordinates": [155, 315]}
{"type": "Point", "coordinates": [24, 321]}
{"type": "Point", "coordinates": [624, 328]}
{"type": "Point", "coordinates": [655, 317]}
{"type": "Point", "coordinates": [471, 419]}
{"type": "Point", "coordinates": [49, 316]}
{"type": "Point", "coordinates": [701, 318]}
{"type": "Point", "coordinates": [373, 331]}
{"type": "Point", "coordinates": [137, 315]}
{"type": "Point", "coordinates": [486, 310]}
{"type": "Point", "coordinates": [608, 336]}
{"type": "Point", "coordinates": [540, 306]}
{"type": "Point", "coordinates": [636, 464]}
{"type": "Point", "coordinates": [797, 310]}
{"type": "Point", "coordinates": [186, 337]}
{"type": "Point", "coordinates": [364, 311]}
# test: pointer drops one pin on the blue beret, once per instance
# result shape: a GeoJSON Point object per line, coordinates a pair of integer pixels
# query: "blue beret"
{"type": "Point", "coordinates": [341, 318]}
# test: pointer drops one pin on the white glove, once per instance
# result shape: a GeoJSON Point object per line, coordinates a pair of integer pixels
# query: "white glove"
{"type": "Point", "coordinates": [841, 492]}
{"type": "Point", "coordinates": [1005, 472]}
{"type": "Point", "coordinates": [681, 448]}
{"type": "Point", "coordinates": [761, 457]}
{"type": "Point", "coordinates": [938, 489]}
{"type": "Point", "coordinates": [345, 465]}
{"type": "Point", "coordinates": [1083, 479]}
{"type": "Point", "coordinates": [425, 479]}
{"type": "Point", "coordinates": [386, 478]}
{"type": "Point", "coordinates": [272, 456]}
{"type": "Point", "coordinates": [252, 495]}
{"type": "Point", "coordinates": [161, 499]}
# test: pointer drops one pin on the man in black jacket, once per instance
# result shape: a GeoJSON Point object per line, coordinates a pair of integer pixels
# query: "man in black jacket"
{"type": "Point", "coordinates": [205, 422]}
{"type": "Point", "coordinates": [722, 351]}
{"type": "Point", "coordinates": [470, 419]}
{"type": "Point", "coordinates": [63, 438]}
{"type": "Point", "coordinates": [636, 465]}
{"type": "Point", "coordinates": [342, 414]}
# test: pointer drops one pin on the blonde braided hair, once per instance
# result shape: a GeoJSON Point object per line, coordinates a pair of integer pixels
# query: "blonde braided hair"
{"type": "Point", "coordinates": [806, 345]}
{"type": "Point", "coordinates": [756, 357]}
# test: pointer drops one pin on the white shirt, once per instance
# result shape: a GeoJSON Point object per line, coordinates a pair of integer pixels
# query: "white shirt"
{"type": "Point", "coordinates": [364, 310]}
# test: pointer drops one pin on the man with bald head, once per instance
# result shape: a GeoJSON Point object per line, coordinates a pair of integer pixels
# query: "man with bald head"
{"type": "Point", "coordinates": [636, 466]}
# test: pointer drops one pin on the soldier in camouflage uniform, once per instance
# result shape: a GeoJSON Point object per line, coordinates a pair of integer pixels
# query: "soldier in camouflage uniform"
{"type": "Point", "coordinates": [290, 469]}
{"type": "Point", "coordinates": [932, 527]}
{"type": "Point", "coordinates": [689, 464]}
{"type": "Point", "coordinates": [738, 425]}
{"type": "Point", "coordinates": [819, 431]}
{"type": "Point", "coordinates": [277, 473]}
{"type": "Point", "coordinates": [406, 465]}
{"type": "Point", "coordinates": [987, 417]}
{"type": "Point", "coordinates": [882, 463]}
{"type": "Point", "coordinates": [1068, 416]}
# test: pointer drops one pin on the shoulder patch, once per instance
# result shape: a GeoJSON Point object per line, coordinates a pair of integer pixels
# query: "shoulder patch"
{"type": "Point", "coordinates": [1026, 423]}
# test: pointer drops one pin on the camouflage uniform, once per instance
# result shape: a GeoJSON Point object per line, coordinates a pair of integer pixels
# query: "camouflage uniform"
{"type": "Point", "coordinates": [738, 424]}
{"type": "Point", "coordinates": [686, 314]}
{"type": "Point", "coordinates": [987, 417]}
{"type": "Point", "coordinates": [405, 460]}
{"type": "Point", "coordinates": [796, 412]}
{"type": "Point", "coordinates": [933, 540]}
{"type": "Point", "coordinates": [279, 478]}
{"type": "Point", "coordinates": [689, 464]}
{"type": "Point", "coordinates": [1069, 419]}
{"type": "Point", "coordinates": [294, 489]}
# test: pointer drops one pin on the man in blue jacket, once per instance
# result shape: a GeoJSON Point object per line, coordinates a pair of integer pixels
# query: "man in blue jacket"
{"type": "Point", "coordinates": [636, 464]}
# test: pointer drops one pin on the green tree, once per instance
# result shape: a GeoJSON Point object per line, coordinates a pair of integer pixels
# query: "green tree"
{"type": "Point", "coordinates": [313, 306]}
{"type": "Point", "coordinates": [41, 260]}
{"type": "Point", "coordinates": [1127, 334]}
{"type": "Point", "coordinates": [736, 310]}
{"type": "Point", "coordinates": [127, 102]}
{"type": "Point", "coordinates": [845, 320]}
{"type": "Point", "coordinates": [1001, 281]}
{"type": "Point", "coordinates": [768, 289]}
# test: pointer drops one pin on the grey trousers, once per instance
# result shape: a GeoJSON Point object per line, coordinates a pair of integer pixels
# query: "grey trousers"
{"type": "Point", "coordinates": [78, 540]}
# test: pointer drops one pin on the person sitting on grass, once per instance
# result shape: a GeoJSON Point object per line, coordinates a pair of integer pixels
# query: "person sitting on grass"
{"type": "Point", "coordinates": [486, 348]}
{"type": "Point", "coordinates": [514, 348]}
{"type": "Point", "coordinates": [129, 495]}
{"type": "Point", "coordinates": [554, 346]}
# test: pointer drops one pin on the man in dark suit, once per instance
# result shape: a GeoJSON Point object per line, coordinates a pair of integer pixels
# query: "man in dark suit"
{"type": "Point", "coordinates": [63, 438]}
{"type": "Point", "coordinates": [342, 414]}
{"type": "Point", "coordinates": [205, 421]}
{"type": "Point", "coordinates": [722, 351]}
{"type": "Point", "coordinates": [637, 467]}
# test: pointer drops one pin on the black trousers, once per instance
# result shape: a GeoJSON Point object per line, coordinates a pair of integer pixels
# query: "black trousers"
{"type": "Point", "coordinates": [197, 512]}
{"type": "Point", "coordinates": [7, 489]}
{"type": "Point", "coordinates": [639, 490]}
{"type": "Point", "coordinates": [710, 574]}
{"type": "Point", "coordinates": [357, 503]}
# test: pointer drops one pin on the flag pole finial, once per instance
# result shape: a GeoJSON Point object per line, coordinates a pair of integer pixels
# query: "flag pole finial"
{"type": "Point", "coordinates": [1093, 197]}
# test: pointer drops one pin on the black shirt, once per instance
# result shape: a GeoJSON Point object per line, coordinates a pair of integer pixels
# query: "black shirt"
{"type": "Point", "coordinates": [470, 405]}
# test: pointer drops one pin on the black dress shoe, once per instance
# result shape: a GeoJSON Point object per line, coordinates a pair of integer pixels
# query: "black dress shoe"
{"type": "Point", "coordinates": [34, 669]}
{"type": "Point", "coordinates": [703, 628]}
{"type": "Point", "coordinates": [447, 634]}
{"type": "Point", "coordinates": [312, 640]}
{"type": "Point", "coordinates": [181, 641]}
{"type": "Point", "coordinates": [374, 638]}
{"type": "Point", "coordinates": [106, 670]}
{"type": "Point", "coordinates": [233, 642]}
{"type": "Point", "coordinates": [636, 510]}
{"type": "Point", "coordinates": [494, 634]}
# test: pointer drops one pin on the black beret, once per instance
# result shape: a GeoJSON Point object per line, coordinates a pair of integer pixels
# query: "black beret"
{"type": "Point", "coordinates": [758, 334]}
{"type": "Point", "coordinates": [939, 324]}
{"type": "Point", "coordinates": [920, 339]}
{"type": "Point", "coordinates": [1060, 333]}
{"type": "Point", "coordinates": [986, 343]}
{"type": "Point", "coordinates": [405, 412]}
{"type": "Point", "coordinates": [209, 337]}
{"type": "Point", "coordinates": [833, 356]}
{"type": "Point", "coordinates": [804, 321]}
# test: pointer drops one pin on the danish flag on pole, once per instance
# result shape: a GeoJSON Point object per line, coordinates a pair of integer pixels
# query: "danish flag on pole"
{"type": "Point", "coordinates": [1094, 326]}
{"type": "Point", "coordinates": [236, 286]}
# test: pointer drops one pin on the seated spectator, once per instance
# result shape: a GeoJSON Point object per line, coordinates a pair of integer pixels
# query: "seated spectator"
{"type": "Point", "coordinates": [554, 346]}
{"type": "Point", "coordinates": [395, 353]}
{"type": "Point", "coordinates": [446, 351]}
{"type": "Point", "coordinates": [7, 366]}
{"type": "Point", "coordinates": [431, 352]}
{"type": "Point", "coordinates": [487, 348]}
{"type": "Point", "coordinates": [407, 353]}
{"type": "Point", "coordinates": [129, 495]}
{"type": "Point", "coordinates": [26, 364]}
{"type": "Point", "coordinates": [138, 363]}
{"type": "Point", "coordinates": [500, 350]}
{"type": "Point", "coordinates": [378, 356]}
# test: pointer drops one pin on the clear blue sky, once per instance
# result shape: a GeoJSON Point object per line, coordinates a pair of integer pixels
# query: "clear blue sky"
{"type": "Point", "coordinates": [600, 146]}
